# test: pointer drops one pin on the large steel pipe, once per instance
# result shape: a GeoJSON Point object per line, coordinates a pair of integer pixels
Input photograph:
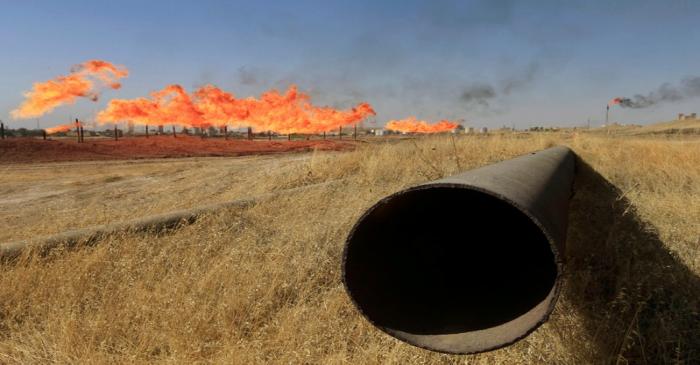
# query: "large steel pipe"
{"type": "Point", "coordinates": [468, 263]}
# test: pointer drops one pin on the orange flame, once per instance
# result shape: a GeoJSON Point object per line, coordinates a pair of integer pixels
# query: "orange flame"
{"type": "Point", "coordinates": [172, 104]}
{"type": "Point", "coordinates": [46, 96]}
{"type": "Point", "coordinates": [614, 101]}
{"type": "Point", "coordinates": [58, 129]}
{"type": "Point", "coordinates": [220, 107]}
{"type": "Point", "coordinates": [411, 125]}
{"type": "Point", "coordinates": [291, 112]}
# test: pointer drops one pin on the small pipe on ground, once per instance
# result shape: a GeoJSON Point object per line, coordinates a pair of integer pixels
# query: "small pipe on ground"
{"type": "Point", "coordinates": [155, 223]}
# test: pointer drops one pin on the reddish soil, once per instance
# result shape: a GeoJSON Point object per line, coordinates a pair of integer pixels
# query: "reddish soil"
{"type": "Point", "coordinates": [23, 150]}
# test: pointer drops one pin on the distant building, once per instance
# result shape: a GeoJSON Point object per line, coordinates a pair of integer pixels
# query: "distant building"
{"type": "Point", "coordinates": [690, 116]}
{"type": "Point", "coordinates": [130, 128]}
{"type": "Point", "coordinates": [378, 132]}
{"type": "Point", "coordinates": [484, 130]}
{"type": "Point", "coordinates": [110, 133]}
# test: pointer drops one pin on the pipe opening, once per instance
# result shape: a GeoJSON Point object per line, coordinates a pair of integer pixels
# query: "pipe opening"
{"type": "Point", "coordinates": [443, 260]}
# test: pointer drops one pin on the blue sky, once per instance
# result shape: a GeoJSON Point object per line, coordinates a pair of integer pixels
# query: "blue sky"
{"type": "Point", "coordinates": [490, 63]}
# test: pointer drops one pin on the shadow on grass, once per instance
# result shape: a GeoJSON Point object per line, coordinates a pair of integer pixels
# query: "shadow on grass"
{"type": "Point", "coordinates": [640, 303]}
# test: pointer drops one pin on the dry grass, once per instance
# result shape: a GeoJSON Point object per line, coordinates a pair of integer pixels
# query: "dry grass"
{"type": "Point", "coordinates": [689, 128]}
{"type": "Point", "coordinates": [262, 285]}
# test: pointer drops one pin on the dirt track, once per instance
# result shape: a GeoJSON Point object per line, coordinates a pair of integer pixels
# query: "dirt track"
{"type": "Point", "coordinates": [23, 150]}
{"type": "Point", "coordinates": [47, 198]}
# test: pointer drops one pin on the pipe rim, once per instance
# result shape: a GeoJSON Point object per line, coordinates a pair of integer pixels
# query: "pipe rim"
{"type": "Point", "coordinates": [550, 301]}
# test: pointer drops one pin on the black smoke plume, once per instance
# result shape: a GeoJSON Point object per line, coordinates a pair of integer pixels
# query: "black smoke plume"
{"type": "Point", "coordinates": [478, 94]}
{"type": "Point", "coordinates": [482, 94]}
{"type": "Point", "coordinates": [688, 88]}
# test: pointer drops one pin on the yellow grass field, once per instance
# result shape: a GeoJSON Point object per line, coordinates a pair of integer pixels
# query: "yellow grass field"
{"type": "Point", "coordinates": [262, 284]}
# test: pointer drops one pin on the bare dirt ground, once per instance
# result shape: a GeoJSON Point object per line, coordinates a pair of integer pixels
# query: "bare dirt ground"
{"type": "Point", "coordinates": [26, 150]}
{"type": "Point", "coordinates": [262, 284]}
{"type": "Point", "coordinates": [45, 198]}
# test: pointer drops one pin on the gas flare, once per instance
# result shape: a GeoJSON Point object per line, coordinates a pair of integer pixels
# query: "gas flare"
{"type": "Point", "coordinates": [411, 125]}
{"type": "Point", "coordinates": [46, 96]}
{"type": "Point", "coordinates": [619, 101]}
{"type": "Point", "coordinates": [687, 88]}
{"type": "Point", "coordinates": [58, 129]}
{"type": "Point", "coordinates": [172, 105]}
{"type": "Point", "coordinates": [289, 112]}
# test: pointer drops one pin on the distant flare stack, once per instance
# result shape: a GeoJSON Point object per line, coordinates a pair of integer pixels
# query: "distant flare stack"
{"type": "Point", "coordinates": [412, 125]}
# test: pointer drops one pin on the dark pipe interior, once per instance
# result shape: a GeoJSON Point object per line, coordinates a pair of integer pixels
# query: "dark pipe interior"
{"type": "Point", "coordinates": [447, 260]}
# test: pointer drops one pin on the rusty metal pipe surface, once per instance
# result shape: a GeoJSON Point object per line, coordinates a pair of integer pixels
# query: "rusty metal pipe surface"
{"type": "Point", "coordinates": [468, 263]}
